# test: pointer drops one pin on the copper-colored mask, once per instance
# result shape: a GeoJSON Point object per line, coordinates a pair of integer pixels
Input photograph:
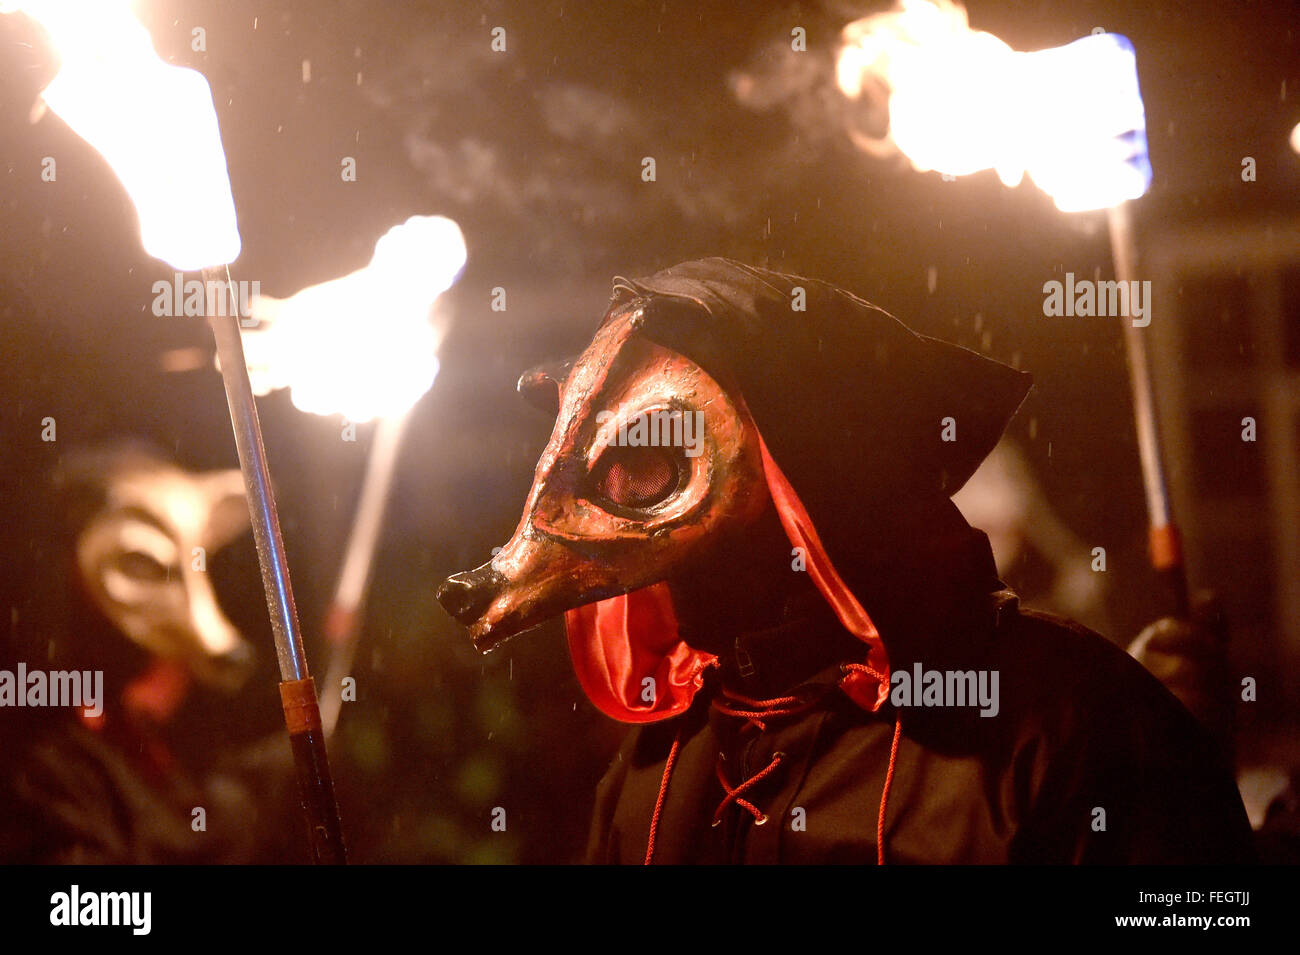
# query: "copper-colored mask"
{"type": "Point", "coordinates": [648, 459]}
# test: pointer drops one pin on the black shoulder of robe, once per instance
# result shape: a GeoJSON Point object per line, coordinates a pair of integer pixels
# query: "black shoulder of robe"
{"type": "Point", "coordinates": [1088, 760]}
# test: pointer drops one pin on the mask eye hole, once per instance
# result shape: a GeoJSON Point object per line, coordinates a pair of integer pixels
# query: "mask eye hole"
{"type": "Point", "coordinates": [637, 478]}
{"type": "Point", "coordinates": [141, 566]}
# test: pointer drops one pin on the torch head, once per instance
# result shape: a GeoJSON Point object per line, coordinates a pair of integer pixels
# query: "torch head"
{"type": "Point", "coordinates": [960, 100]}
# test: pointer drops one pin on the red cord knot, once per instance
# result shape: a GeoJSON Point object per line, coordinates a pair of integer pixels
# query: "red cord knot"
{"type": "Point", "coordinates": [756, 713]}
{"type": "Point", "coordinates": [847, 668]}
{"type": "Point", "coordinates": [736, 793]}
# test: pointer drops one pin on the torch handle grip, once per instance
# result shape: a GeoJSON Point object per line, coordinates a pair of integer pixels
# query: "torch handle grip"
{"type": "Point", "coordinates": [1166, 550]}
{"type": "Point", "coordinates": [316, 785]}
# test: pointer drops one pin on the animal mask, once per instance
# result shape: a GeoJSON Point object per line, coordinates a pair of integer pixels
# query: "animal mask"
{"type": "Point", "coordinates": [788, 376]}
{"type": "Point", "coordinates": [142, 557]}
{"type": "Point", "coordinates": [649, 456]}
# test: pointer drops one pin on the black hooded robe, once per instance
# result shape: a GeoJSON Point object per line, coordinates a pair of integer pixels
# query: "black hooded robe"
{"type": "Point", "coordinates": [1088, 758]}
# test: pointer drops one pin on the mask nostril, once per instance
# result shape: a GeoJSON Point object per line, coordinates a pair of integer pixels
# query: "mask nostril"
{"type": "Point", "coordinates": [466, 596]}
{"type": "Point", "coordinates": [453, 594]}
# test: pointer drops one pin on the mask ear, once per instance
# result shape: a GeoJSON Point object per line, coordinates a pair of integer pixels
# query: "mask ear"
{"type": "Point", "coordinates": [541, 385]}
{"type": "Point", "coordinates": [228, 517]}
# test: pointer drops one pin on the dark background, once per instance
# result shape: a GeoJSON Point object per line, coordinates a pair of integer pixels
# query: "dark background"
{"type": "Point", "coordinates": [536, 152]}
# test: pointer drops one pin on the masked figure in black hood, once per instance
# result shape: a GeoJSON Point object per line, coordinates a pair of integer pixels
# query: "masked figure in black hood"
{"type": "Point", "coordinates": [122, 781]}
{"type": "Point", "coordinates": [744, 513]}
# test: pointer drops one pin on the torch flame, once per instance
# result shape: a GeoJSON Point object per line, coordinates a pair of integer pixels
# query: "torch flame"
{"type": "Point", "coordinates": [155, 125]}
{"type": "Point", "coordinates": [961, 101]}
{"type": "Point", "coordinates": [361, 345]}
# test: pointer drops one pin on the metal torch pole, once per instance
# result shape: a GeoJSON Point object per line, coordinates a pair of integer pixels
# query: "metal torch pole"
{"type": "Point", "coordinates": [297, 689]}
{"type": "Point", "coordinates": [1163, 539]}
{"type": "Point", "coordinates": [343, 622]}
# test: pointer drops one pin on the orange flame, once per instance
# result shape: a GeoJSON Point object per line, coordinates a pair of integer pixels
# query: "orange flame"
{"type": "Point", "coordinates": [154, 124]}
{"type": "Point", "coordinates": [961, 101]}
{"type": "Point", "coordinates": [361, 345]}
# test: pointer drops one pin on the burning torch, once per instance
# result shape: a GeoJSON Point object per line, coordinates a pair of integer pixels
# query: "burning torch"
{"type": "Point", "coordinates": [361, 346]}
{"type": "Point", "coordinates": [156, 127]}
{"type": "Point", "coordinates": [1071, 117]}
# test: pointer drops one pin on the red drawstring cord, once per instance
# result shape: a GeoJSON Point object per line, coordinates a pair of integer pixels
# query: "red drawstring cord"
{"type": "Point", "coordinates": [663, 792]}
{"type": "Point", "coordinates": [884, 792]}
{"type": "Point", "coordinates": [865, 668]}
{"type": "Point", "coordinates": [762, 709]}
{"type": "Point", "coordinates": [756, 714]}
{"type": "Point", "coordinates": [780, 706]}
{"type": "Point", "coordinates": [769, 708]}
{"type": "Point", "coordinates": [893, 760]}
{"type": "Point", "coordinates": [733, 795]}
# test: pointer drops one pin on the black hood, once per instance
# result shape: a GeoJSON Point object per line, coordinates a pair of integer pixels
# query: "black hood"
{"type": "Point", "coordinates": [840, 387]}
{"type": "Point", "coordinates": [851, 403]}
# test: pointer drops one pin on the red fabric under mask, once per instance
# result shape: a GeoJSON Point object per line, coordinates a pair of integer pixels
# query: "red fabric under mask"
{"type": "Point", "coordinates": [616, 644]}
